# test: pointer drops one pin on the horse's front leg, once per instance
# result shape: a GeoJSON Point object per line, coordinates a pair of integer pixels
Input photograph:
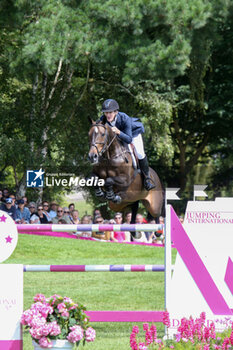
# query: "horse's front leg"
{"type": "Point", "coordinates": [99, 193]}
{"type": "Point", "coordinates": [110, 195]}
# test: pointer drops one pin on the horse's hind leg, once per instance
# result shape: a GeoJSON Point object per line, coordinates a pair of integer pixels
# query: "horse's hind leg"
{"type": "Point", "coordinates": [153, 203]}
{"type": "Point", "coordinates": [134, 208]}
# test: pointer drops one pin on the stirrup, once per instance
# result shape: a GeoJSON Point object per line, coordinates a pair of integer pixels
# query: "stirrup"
{"type": "Point", "coordinates": [148, 185]}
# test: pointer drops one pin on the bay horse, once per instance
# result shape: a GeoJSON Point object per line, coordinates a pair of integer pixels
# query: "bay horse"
{"type": "Point", "coordinates": [112, 161]}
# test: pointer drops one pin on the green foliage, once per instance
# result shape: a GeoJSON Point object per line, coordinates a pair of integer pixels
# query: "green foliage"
{"type": "Point", "coordinates": [157, 116]}
{"type": "Point", "coordinates": [55, 30]}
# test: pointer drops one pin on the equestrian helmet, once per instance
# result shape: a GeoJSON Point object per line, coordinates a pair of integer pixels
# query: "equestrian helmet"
{"type": "Point", "coordinates": [110, 105]}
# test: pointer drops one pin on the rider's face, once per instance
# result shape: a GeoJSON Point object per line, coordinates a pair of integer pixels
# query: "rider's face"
{"type": "Point", "coordinates": [110, 115]}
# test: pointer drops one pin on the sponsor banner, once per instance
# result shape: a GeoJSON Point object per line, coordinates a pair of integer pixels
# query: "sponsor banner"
{"type": "Point", "coordinates": [203, 271]}
{"type": "Point", "coordinates": [11, 305]}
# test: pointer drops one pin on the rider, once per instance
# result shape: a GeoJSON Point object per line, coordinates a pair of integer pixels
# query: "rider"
{"type": "Point", "coordinates": [129, 130]}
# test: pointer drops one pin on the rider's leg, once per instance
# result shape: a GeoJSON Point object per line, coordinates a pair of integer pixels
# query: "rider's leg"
{"type": "Point", "coordinates": [144, 166]}
{"type": "Point", "coordinates": [143, 162]}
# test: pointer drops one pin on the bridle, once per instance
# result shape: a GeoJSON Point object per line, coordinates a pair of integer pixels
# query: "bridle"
{"type": "Point", "coordinates": [106, 144]}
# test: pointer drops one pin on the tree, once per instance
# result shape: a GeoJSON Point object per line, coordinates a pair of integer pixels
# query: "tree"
{"type": "Point", "coordinates": [49, 64]}
{"type": "Point", "coordinates": [164, 51]}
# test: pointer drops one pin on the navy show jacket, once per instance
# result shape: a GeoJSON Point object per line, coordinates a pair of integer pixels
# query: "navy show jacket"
{"type": "Point", "coordinates": [129, 127]}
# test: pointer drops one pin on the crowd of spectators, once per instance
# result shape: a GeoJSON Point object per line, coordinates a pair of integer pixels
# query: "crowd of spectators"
{"type": "Point", "coordinates": [46, 212]}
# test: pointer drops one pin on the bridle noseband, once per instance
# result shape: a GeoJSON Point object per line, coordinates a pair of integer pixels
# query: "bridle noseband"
{"type": "Point", "coordinates": [105, 142]}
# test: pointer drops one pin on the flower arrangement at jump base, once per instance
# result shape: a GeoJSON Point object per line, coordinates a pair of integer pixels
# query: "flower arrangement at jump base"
{"type": "Point", "coordinates": [57, 318]}
{"type": "Point", "coordinates": [192, 334]}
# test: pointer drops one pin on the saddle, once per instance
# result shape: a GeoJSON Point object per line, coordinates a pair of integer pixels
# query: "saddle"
{"type": "Point", "coordinates": [134, 156]}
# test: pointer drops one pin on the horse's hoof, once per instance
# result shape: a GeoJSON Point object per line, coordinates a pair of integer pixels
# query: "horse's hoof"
{"type": "Point", "coordinates": [117, 199]}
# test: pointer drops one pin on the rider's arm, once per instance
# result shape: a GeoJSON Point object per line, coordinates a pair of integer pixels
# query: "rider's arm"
{"type": "Point", "coordinates": [126, 130]}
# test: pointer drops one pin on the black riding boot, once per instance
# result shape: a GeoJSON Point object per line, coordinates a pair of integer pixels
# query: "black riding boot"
{"type": "Point", "coordinates": [148, 184]}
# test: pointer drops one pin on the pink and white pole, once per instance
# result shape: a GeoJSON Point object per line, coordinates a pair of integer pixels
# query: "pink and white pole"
{"type": "Point", "coordinates": [93, 227]}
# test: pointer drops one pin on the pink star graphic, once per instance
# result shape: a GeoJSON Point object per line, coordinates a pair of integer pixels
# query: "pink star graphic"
{"type": "Point", "coordinates": [3, 218]}
{"type": "Point", "coordinates": [8, 239]}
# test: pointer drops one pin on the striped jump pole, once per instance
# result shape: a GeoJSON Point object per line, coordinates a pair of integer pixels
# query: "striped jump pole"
{"type": "Point", "coordinates": [93, 227]}
{"type": "Point", "coordinates": [108, 316]}
{"type": "Point", "coordinates": [93, 268]}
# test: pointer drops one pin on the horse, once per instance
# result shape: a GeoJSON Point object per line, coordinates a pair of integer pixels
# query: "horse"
{"type": "Point", "coordinates": [112, 162]}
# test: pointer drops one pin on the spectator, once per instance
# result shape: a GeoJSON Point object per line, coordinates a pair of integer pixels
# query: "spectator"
{"type": "Point", "coordinates": [12, 196]}
{"type": "Point", "coordinates": [53, 209]}
{"type": "Point", "coordinates": [75, 217]}
{"type": "Point", "coordinates": [42, 217]}
{"type": "Point", "coordinates": [67, 215]}
{"type": "Point", "coordinates": [181, 218]}
{"type": "Point", "coordinates": [153, 237]}
{"type": "Point", "coordinates": [34, 218]}
{"type": "Point", "coordinates": [119, 236]}
{"type": "Point", "coordinates": [71, 207]}
{"type": "Point", "coordinates": [96, 213]}
{"type": "Point", "coordinates": [159, 235]}
{"type": "Point", "coordinates": [62, 222]}
{"type": "Point", "coordinates": [25, 201]}
{"type": "Point", "coordinates": [1, 197]}
{"type": "Point", "coordinates": [22, 213]}
{"type": "Point", "coordinates": [84, 221]}
{"type": "Point", "coordinates": [161, 220]}
{"type": "Point", "coordinates": [100, 235]}
{"type": "Point", "coordinates": [90, 218]}
{"type": "Point", "coordinates": [45, 210]}
{"type": "Point", "coordinates": [60, 215]}
{"type": "Point", "coordinates": [9, 208]}
{"type": "Point", "coordinates": [32, 208]}
{"type": "Point", "coordinates": [128, 217]}
{"type": "Point", "coordinates": [5, 194]}
{"type": "Point", "coordinates": [140, 236]}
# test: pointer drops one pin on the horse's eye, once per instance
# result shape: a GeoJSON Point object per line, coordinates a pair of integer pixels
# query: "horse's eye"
{"type": "Point", "coordinates": [102, 134]}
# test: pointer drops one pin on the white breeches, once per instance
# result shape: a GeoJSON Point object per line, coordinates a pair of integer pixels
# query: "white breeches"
{"type": "Point", "coordinates": [139, 147]}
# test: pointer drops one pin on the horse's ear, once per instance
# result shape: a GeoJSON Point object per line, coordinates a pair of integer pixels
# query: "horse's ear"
{"type": "Point", "coordinates": [91, 121]}
{"type": "Point", "coordinates": [103, 120]}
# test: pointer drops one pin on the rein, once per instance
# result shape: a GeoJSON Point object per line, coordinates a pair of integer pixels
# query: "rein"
{"type": "Point", "coordinates": [106, 145]}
